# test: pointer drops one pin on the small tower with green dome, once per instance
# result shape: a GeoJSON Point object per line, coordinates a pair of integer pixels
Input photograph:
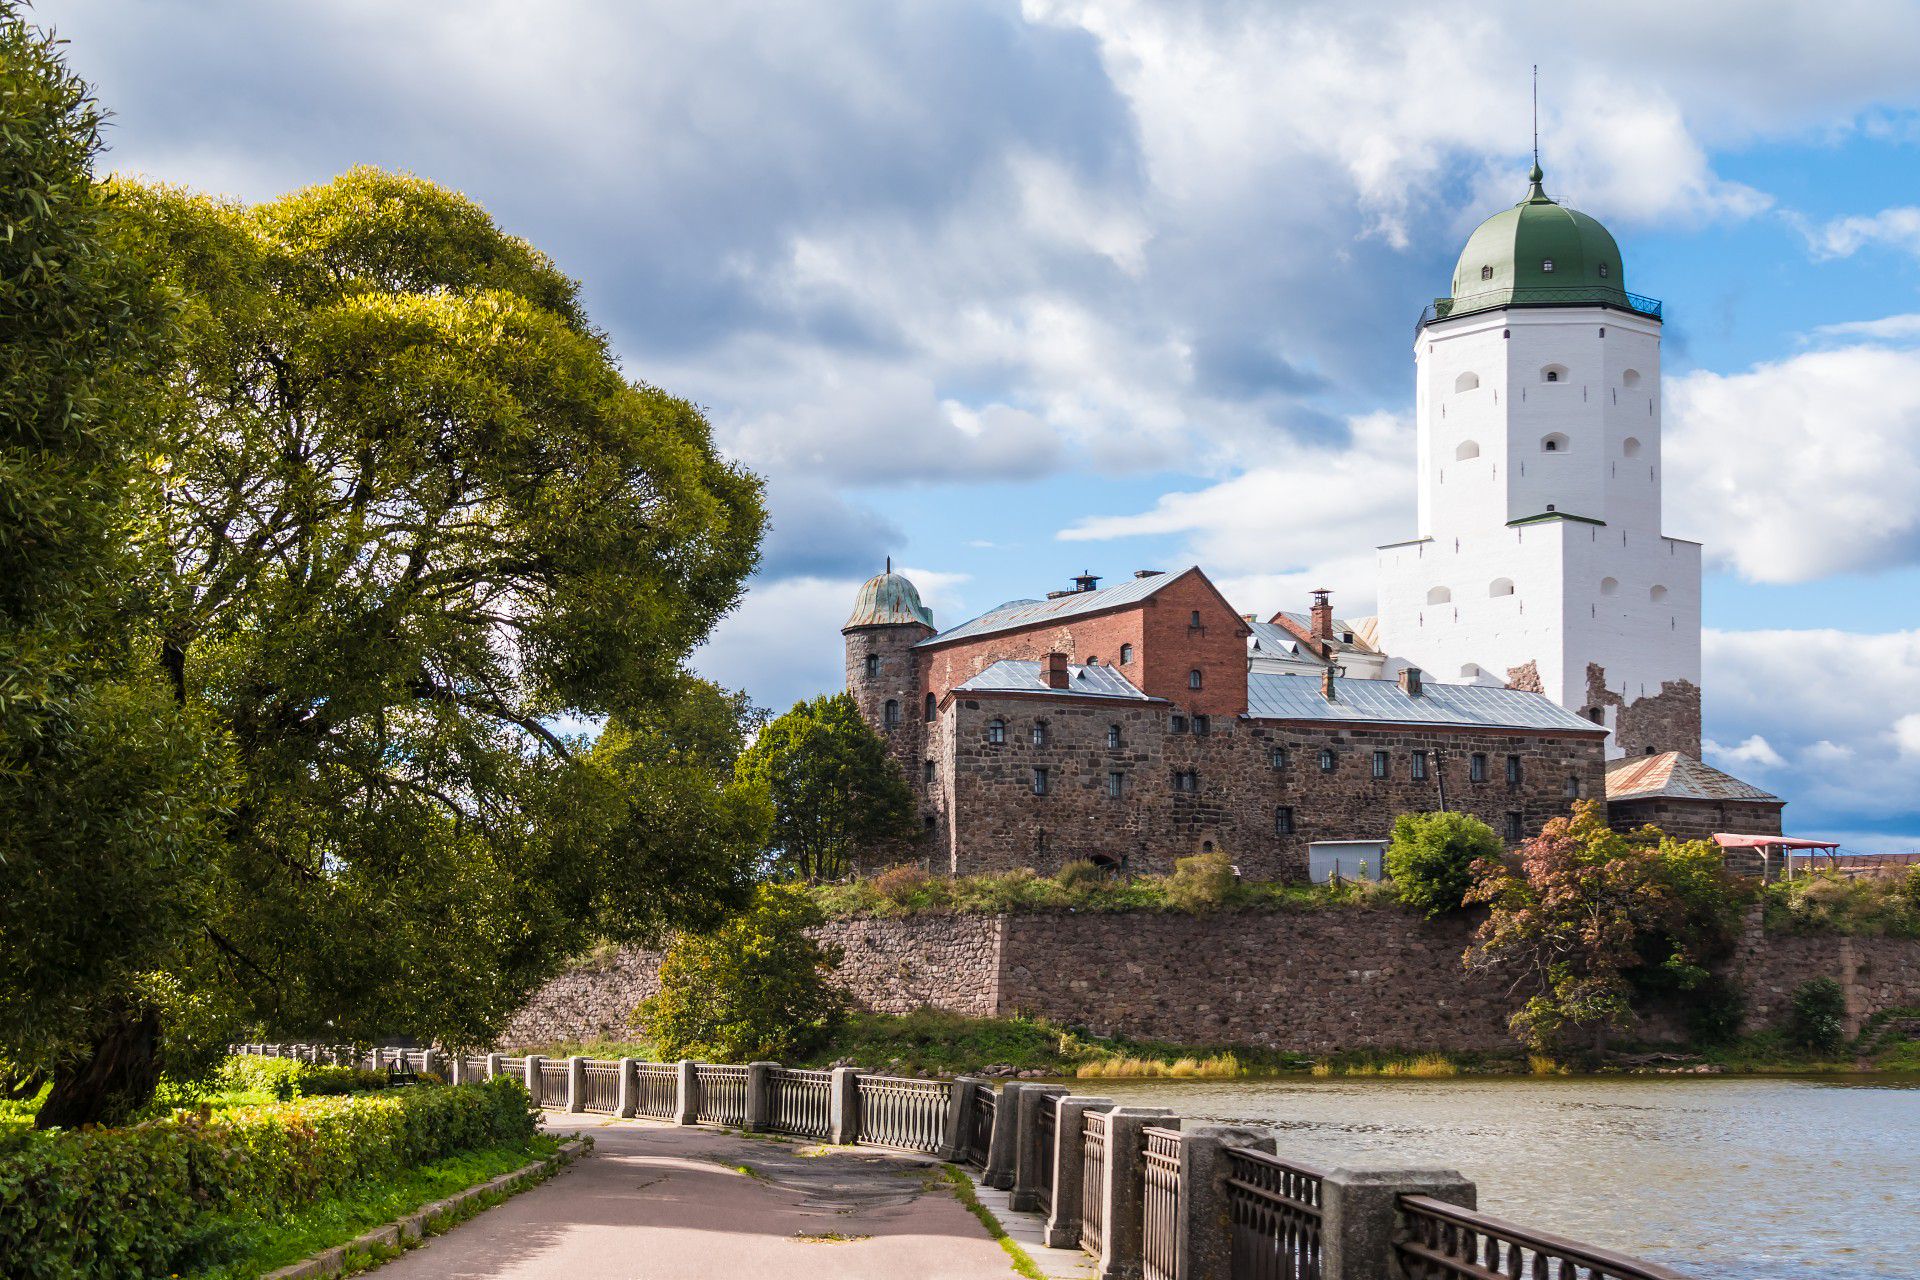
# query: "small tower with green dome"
{"type": "Point", "coordinates": [1540, 559]}
{"type": "Point", "coordinates": [884, 674]}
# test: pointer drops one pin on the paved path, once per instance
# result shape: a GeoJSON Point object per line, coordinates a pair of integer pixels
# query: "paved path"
{"type": "Point", "coordinates": [655, 1202]}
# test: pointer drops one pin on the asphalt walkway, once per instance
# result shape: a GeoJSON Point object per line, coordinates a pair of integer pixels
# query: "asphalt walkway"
{"type": "Point", "coordinates": [656, 1202]}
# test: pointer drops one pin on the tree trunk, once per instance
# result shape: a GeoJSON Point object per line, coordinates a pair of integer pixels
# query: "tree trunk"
{"type": "Point", "coordinates": [115, 1079]}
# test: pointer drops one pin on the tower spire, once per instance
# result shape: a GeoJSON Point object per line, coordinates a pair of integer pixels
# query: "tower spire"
{"type": "Point", "coordinates": [1535, 191]}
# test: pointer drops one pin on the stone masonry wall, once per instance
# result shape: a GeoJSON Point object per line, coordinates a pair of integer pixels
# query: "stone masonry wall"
{"type": "Point", "coordinates": [1313, 981]}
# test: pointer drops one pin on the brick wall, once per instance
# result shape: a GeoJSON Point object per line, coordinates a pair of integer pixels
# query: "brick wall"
{"type": "Point", "coordinates": [1699, 819]}
{"type": "Point", "coordinates": [1308, 980]}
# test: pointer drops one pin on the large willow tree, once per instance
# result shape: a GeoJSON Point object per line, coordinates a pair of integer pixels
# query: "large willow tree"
{"type": "Point", "coordinates": [412, 519]}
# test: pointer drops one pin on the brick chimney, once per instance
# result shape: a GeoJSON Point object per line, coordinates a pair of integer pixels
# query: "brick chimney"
{"type": "Point", "coordinates": [1322, 614]}
{"type": "Point", "coordinates": [1410, 681]}
{"type": "Point", "coordinates": [1326, 684]}
{"type": "Point", "coordinates": [1055, 670]}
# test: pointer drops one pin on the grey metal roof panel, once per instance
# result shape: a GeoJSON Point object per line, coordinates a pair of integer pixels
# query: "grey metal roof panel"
{"type": "Point", "coordinates": [1341, 626]}
{"type": "Point", "coordinates": [1276, 641]}
{"type": "Point", "coordinates": [1025, 613]}
{"type": "Point", "coordinates": [1279, 697]}
{"type": "Point", "coordinates": [1015, 675]}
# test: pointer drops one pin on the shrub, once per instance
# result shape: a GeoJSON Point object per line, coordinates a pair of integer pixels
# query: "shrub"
{"type": "Point", "coordinates": [1910, 889]}
{"type": "Point", "coordinates": [287, 1078]}
{"type": "Point", "coordinates": [159, 1198]}
{"type": "Point", "coordinates": [1827, 902]}
{"type": "Point", "coordinates": [1204, 882]}
{"type": "Point", "coordinates": [757, 987]}
{"type": "Point", "coordinates": [1431, 857]}
{"type": "Point", "coordinates": [1080, 876]}
{"type": "Point", "coordinates": [1816, 1020]}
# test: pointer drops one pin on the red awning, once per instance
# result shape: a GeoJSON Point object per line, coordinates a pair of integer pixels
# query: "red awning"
{"type": "Point", "coordinates": [1726, 841]}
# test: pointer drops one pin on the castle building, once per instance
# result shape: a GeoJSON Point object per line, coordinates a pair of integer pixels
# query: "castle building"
{"type": "Point", "coordinates": [1540, 624]}
{"type": "Point", "coordinates": [1539, 560]}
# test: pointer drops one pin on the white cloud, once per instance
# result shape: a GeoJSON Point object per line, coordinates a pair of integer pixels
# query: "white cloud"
{"type": "Point", "coordinates": [1755, 753]}
{"type": "Point", "coordinates": [1800, 468]}
{"type": "Point", "coordinates": [1906, 732]}
{"type": "Point", "coordinates": [1897, 228]}
{"type": "Point", "coordinates": [1900, 328]}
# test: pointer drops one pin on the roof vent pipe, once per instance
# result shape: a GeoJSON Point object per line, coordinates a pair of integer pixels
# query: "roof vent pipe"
{"type": "Point", "coordinates": [1410, 681]}
{"type": "Point", "coordinates": [1326, 684]}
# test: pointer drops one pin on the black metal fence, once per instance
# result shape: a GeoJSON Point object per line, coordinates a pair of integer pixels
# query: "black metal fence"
{"type": "Point", "coordinates": [980, 1125]}
{"type": "Point", "coordinates": [656, 1090]}
{"type": "Point", "coordinates": [1161, 1209]}
{"type": "Point", "coordinates": [722, 1095]}
{"type": "Point", "coordinates": [1441, 1241]}
{"type": "Point", "coordinates": [1093, 1179]}
{"type": "Point", "coordinates": [897, 1112]}
{"type": "Point", "coordinates": [1274, 1215]}
{"type": "Point", "coordinates": [799, 1102]}
{"type": "Point", "coordinates": [602, 1081]}
{"type": "Point", "coordinates": [1046, 1137]}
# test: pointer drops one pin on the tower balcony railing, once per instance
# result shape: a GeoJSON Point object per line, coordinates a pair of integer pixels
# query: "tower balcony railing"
{"type": "Point", "coordinates": [1493, 300]}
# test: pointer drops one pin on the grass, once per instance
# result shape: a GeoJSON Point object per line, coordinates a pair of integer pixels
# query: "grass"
{"type": "Point", "coordinates": [1222, 1066]}
{"type": "Point", "coordinates": [259, 1245]}
{"type": "Point", "coordinates": [908, 891]}
{"type": "Point", "coordinates": [963, 1188]}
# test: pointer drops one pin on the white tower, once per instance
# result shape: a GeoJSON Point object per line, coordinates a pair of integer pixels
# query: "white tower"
{"type": "Point", "coordinates": [1540, 561]}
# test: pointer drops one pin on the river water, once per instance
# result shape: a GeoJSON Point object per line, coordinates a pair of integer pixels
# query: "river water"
{"type": "Point", "coordinates": [1725, 1178]}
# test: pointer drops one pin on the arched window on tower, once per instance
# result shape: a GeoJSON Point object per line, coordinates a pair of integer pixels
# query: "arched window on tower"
{"type": "Point", "coordinates": [1554, 373]}
{"type": "Point", "coordinates": [930, 708]}
{"type": "Point", "coordinates": [1630, 447]}
{"type": "Point", "coordinates": [1631, 378]}
{"type": "Point", "coordinates": [1469, 449]}
{"type": "Point", "coordinates": [1602, 268]}
{"type": "Point", "coordinates": [997, 732]}
{"type": "Point", "coordinates": [1126, 655]}
{"type": "Point", "coordinates": [1486, 273]}
{"type": "Point", "coordinates": [1555, 443]}
{"type": "Point", "coordinates": [873, 665]}
{"type": "Point", "coordinates": [1439, 595]}
{"type": "Point", "coordinates": [893, 713]}
{"type": "Point", "coordinates": [1609, 586]}
{"type": "Point", "coordinates": [1466, 382]}
{"type": "Point", "coordinates": [1193, 678]}
{"type": "Point", "coordinates": [1500, 587]}
{"type": "Point", "coordinates": [1656, 593]}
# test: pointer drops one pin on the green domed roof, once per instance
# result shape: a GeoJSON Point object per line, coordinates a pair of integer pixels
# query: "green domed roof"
{"type": "Point", "coordinates": [1539, 254]}
{"type": "Point", "coordinates": [887, 600]}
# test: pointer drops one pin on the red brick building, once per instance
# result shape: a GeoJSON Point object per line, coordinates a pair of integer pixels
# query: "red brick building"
{"type": "Point", "coordinates": [1122, 725]}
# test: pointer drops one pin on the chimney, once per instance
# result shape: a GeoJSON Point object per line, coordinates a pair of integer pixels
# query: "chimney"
{"type": "Point", "coordinates": [1322, 614]}
{"type": "Point", "coordinates": [1410, 681]}
{"type": "Point", "coordinates": [1055, 670]}
{"type": "Point", "coordinates": [1326, 683]}
{"type": "Point", "coordinates": [1086, 580]}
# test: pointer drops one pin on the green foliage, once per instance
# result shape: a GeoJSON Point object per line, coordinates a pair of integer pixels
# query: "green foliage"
{"type": "Point", "coordinates": [1594, 917]}
{"type": "Point", "coordinates": [831, 787]}
{"type": "Point", "coordinates": [1431, 858]}
{"type": "Point", "coordinates": [1864, 906]}
{"type": "Point", "coordinates": [1714, 1011]}
{"type": "Point", "coordinates": [910, 890]}
{"type": "Point", "coordinates": [755, 988]}
{"type": "Point", "coordinates": [107, 788]}
{"type": "Point", "coordinates": [1203, 882]}
{"type": "Point", "coordinates": [284, 1079]}
{"type": "Point", "coordinates": [1816, 1020]}
{"type": "Point", "coordinates": [164, 1197]}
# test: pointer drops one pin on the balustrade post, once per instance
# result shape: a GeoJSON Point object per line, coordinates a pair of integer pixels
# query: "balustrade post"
{"type": "Point", "coordinates": [1204, 1245]}
{"type": "Point", "coordinates": [1125, 1172]}
{"type": "Point", "coordinates": [953, 1136]}
{"type": "Point", "coordinates": [759, 1097]}
{"type": "Point", "coordinates": [1069, 1169]}
{"type": "Point", "coordinates": [1004, 1143]}
{"type": "Point", "coordinates": [456, 1068]}
{"type": "Point", "coordinates": [493, 1064]}
{"type": "Point", "coordinates": [428, 1058]}
{"type": "Point", "coordinates": [576, 1083]}
{"type": "Point", "coordinates": [843, 1106]}
{"type": "Point", "coordinates": [686, 1106]}
{"type": "Point", "coordinates": [1027, 1172]}
{"type": "Point", "coordinates": [1358, 1212]}
{"type": "Point", "coordinates": [627, 1100]}
{"type": "Point", "coordinates": [536, 1085]}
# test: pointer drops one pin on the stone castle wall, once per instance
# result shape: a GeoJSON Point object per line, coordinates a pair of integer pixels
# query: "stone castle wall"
{"type": "Point", "coordinates": [1305, 980]}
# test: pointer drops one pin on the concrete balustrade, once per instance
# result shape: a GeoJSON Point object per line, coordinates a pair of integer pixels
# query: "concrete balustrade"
{"type": "Point", "coordinates": [1339, 1224]}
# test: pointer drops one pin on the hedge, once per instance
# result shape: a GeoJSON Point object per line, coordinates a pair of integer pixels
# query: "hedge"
{"type": "Point", "coordinates": [160, 1198]}
{"type": "Point", "coordinates": [289, 1078]}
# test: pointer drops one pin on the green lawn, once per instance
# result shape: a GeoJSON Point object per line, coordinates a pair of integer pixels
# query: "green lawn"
{"type": "Point", "coordinates": [262, 1245]}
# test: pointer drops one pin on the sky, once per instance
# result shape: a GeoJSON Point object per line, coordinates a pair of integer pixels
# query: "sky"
{"type": "Point", "coordinates": [1010, 290]}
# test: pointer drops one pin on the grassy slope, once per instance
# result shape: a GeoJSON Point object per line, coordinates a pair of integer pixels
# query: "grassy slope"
{"type": "Point", "coordinates": [263, 1245]}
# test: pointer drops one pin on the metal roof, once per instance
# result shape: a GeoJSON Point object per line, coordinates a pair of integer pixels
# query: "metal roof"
{"type": "Point", "coordinates": [885, 600]}
{"type": "Point", "coordinates": [1341, 627]}
{"type": "Point", "coordinates": [1015, 675]}
{"type": "Point", "coordinates": [1276, 641]}
{"type": "Point", "coordinates": [1025, 613]}
{"type": "Point", "coordinates": [1675, 776]}
{"type": "Point", "coordinates": [1278, 697]}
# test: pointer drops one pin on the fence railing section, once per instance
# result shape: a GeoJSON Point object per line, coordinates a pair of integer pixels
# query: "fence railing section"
{"type": "Point", "coordinates": [1160, 1206]}
{"type": "Point", "coordinates": [1441, 1241]}
{"type": "Point", "coordinates": [1149, 1203]}
{"type": "Point", "coordinates": [723, 1095]}
{"type": "Point", "coordinates": [980, 1125]}
{"type": "Point", "coordinates": [799, 1102]}
{"type": "Point", "coordinates": [603, 1087]}
{"type": "Point", "coordinates": [1093, 1179]}
{"type": "Point", "coordinates": [1046, 1138]}
{"type": "Point", "coordinates": [897, 1112]}
{"type": "Point", "coordinates": [1275, 1213]}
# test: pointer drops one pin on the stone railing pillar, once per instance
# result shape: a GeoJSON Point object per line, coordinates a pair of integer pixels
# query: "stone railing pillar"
{"type": "Point", "coordinates": [1005, 1142]}
{"type": "Point", "coordinates": [1122, 1228]}
{"type": "Point", "coordinates": [759, 1096]}
{"type": "Point", "coordinates": [493, 1064]}
{"type": "Point", "coordinates": [1204, 1249]}
{"type": "Point", "coordinates": [627, 1100]}
{"type": "Point", "coordinates": [428, 1060]}
{"type": "Point", "coordinates": [1358, 1211]}
{"type": "Point", "coordinates": [686, 1107]}
{"type": "Point", "coordinates": [843, 1106]}
{"type": "Point", "coordinates": [1027, 1173]}
{"type": "Point", "coordinates": [534, 1080]}
{"type": "Point", "coordinates": [576, 1083]}
{"type": "Point", "coordinates": [1069, 1169]}
{"type": "Point", "coordinates": [953, 1138]}
{"type": "Point", "coordinates": [456, 1068]}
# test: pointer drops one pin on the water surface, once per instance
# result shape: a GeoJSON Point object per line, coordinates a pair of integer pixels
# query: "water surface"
{"type": "Point", "coordinates": [1725, 1178]}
